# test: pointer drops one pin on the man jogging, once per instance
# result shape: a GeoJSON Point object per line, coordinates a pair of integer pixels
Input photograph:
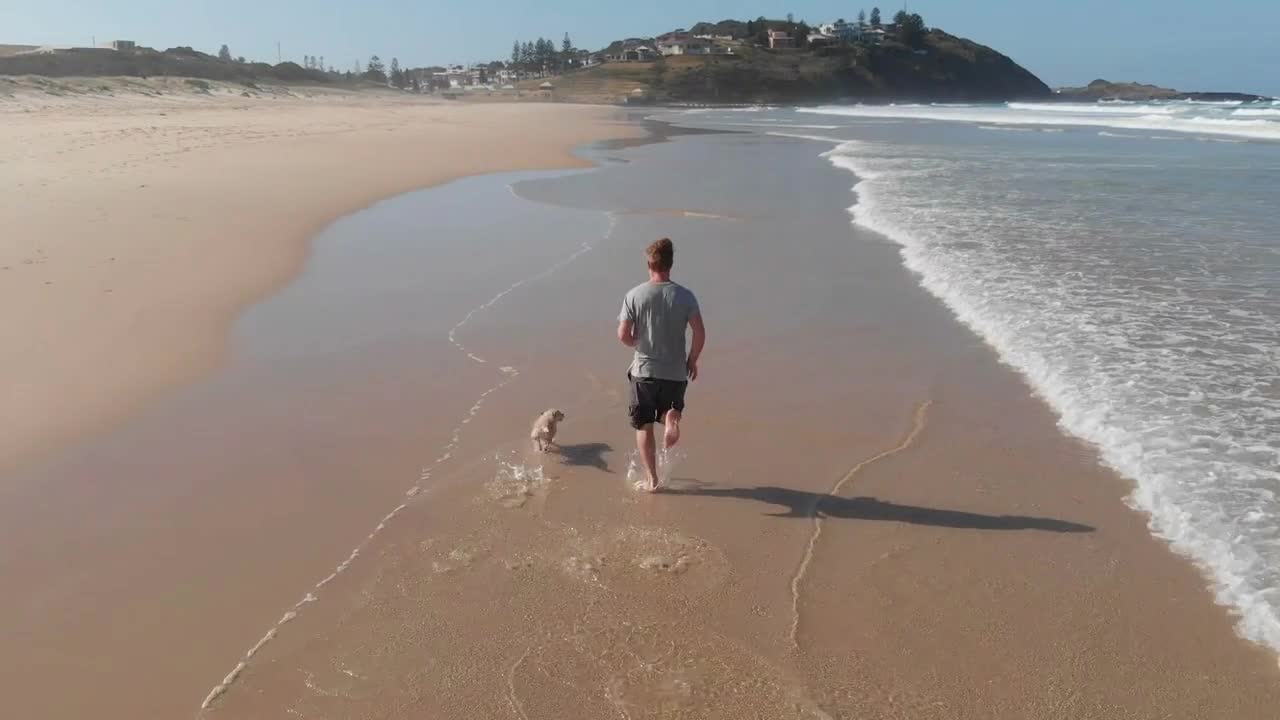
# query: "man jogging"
{"type": "Point", "coordinates": [653, 320]}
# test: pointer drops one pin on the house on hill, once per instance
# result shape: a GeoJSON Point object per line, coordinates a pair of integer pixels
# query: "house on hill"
{"type": "Point", "coordinates": [845, 32]}
{"type": "Point", "coordinates": [779, 40]}
{"type": "Point", "coordinates": [635, 53]}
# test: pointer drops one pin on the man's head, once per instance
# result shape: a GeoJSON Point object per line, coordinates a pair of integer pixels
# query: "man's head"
{"type": "Point", "coordinates": [661, 255]}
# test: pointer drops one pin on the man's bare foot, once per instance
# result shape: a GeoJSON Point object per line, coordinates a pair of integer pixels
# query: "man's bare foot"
{"type": "Point", "coordinates": [653, 485]}
{"type": "Point", "coordinates": [671, 433]}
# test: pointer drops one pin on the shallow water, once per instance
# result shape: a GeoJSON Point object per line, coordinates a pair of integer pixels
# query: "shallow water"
{"type": "Point", "coordinates": [1132, 274]}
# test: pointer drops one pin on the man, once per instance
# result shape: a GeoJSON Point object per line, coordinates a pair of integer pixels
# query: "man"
{"type": "Point", "coordinates": [653, 320]}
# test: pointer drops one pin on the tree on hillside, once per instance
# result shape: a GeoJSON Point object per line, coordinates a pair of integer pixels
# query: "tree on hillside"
{"type": "Point", "coordinates": [911, 29]}
{"type": "Point", "coordinates": [800, 31]}
{"type": "Point", "coordinates": [566, 46]}
{"type": "Point", "coordinates": [320, 63]}
{"type": "Point", "coordinates": [397, 75]}
{"type": "Point", "coordinates": [862, 18]}
{"type": "Point", "coordinates": [875, 17]}
{"type": "Point", "coordinates": [526, 57]}
{"type": "Point", "coordinates": [376, 71]}
{"type": "Point", "coordinates": [516, 56]}
{"type": "Point", "coordinates": [791, 19]}
{"type": "Point", "coordinates": [761, 35]}
{"type": "Point", "coordinates": [240, 59]}
{"type": "Point", "coordinates": [546, 51]}
{"type": "Point", "coordinates": [224, 54]}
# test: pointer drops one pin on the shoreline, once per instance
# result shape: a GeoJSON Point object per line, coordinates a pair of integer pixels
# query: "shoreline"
{"type": "Point", "coordinates": [155, 314]}
{"type": "Point", "coordinates": [935, 510]}
{"type": "Point", "coordinates": [948, 516]}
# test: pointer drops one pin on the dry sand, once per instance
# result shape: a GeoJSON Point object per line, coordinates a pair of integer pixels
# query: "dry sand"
{"type": "Point", "coordinates": [141, 216]}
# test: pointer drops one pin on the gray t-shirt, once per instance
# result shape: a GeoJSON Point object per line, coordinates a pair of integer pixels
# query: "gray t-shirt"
{"type": "Point", "coordinates": [660, 313]}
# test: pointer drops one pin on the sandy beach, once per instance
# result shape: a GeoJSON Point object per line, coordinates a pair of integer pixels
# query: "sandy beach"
{"type": "Point", "coordinates": [302, 485]}
{"type": "Point", "coordinates": [138, 226]}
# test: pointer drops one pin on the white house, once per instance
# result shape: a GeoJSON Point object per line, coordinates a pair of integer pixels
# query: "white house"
{"type": "Point", "coordinates": [842, 31]}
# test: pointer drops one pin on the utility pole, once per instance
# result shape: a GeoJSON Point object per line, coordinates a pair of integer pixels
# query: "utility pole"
{"type": "Point", "coordinates": [278, 58]}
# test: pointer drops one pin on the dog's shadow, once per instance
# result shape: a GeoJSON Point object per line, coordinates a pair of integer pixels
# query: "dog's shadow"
{"type": "Point", "coordinates": [587, 455]}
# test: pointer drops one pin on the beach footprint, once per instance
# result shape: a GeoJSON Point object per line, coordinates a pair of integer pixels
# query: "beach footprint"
{"type": "Point", "coordinates": [605, 668]}
{"type": "Point", "coordinates": [636, 557]}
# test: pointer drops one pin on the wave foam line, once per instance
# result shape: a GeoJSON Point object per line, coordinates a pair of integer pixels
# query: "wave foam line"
{"type": "Point", "coordinates": [517, 707]}
{"type": "Point", "coordinates": [917, 426]}
{"type": "Point", "coordinates": [1073, 116]}
{"type": "Point", "coordinates": [815, 138]}
{"type": "Point", "coordinates": [1225, 562]}
{"type": "Point", "coordinates": [509, 374]}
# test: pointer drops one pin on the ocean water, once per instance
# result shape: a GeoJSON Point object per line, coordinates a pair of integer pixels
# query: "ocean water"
{"type": "Point", "coordinates": [1125, 258]}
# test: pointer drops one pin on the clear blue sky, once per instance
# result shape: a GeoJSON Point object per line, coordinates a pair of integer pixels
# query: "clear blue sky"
{"type": "Point", "coordinates": [1227, 45]}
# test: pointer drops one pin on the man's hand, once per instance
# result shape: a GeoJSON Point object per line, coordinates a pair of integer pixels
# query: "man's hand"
{"type": "Point", "coordinates": [626, 333]}
{"type": "Point", "coordinates": [699, 340]}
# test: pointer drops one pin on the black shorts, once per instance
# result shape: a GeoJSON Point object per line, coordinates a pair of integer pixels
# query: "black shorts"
{"type": "Point", "coordinates": [652, 398]}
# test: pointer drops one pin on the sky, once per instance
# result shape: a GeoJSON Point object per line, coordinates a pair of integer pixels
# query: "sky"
{"type": "Point", "coordinates": [1231, 45]}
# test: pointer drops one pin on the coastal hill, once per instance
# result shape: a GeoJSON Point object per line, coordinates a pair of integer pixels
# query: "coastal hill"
{"type": "Point", "coordinates": [1138, 92]}
{"type": "Point", "coordinates": [941, 67]}
{"type": "Point", "coordinates": [145, 62]}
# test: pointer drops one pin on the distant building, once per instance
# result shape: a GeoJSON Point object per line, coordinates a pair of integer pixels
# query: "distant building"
{"type": "Point", "coordinates": [819, 39]}
{"type": "Point", "coordinates": [637, 53]}
{"type": "Point", "coordinates": [690, 46]}
{"type": "Point", "coordinates": [124, 45]}
{"type": "Point", "coordinates": [842, 31]}
{"type": "Point", "coordinates": [779, 40]}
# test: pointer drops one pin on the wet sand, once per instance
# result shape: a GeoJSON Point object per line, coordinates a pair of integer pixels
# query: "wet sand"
{"type": "Point", "coordinates": [139, 226]}
{"type": "Point", "coordinates": [869, 517]}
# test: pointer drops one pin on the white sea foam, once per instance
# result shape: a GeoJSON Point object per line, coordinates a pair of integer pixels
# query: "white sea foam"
{"type": "Point", "coordinates": [1257, 112]}
{"type": "Point", "coordinates": [1169, 373]}
{"type": "Point", "coordinates": [815, 138]}
{"type": "Point", "coordinates": [789, 126]}
{"type": "Point", "coordinates": [1180, 117]}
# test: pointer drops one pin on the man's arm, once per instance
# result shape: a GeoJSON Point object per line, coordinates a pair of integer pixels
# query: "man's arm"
{"type": "Point", "coordinates": [627, 333]}
{"type": "Point", "coordinates": [699, 340]}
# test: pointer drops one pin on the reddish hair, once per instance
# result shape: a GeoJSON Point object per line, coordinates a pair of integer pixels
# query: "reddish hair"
{"type": "Point", "coordinates": [661, 255]}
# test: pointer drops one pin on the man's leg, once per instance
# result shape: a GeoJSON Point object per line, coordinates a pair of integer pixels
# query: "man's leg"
{"type": "Point", "coordinates": [671, 428]}
{"type": "Point", "coordinates": [648, 454]}
{"type": "Point", "coordinates": [673, 405]}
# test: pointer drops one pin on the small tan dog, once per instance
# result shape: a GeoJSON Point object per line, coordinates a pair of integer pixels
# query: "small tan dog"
{"type": "Point", "coordinates": [544, 429]}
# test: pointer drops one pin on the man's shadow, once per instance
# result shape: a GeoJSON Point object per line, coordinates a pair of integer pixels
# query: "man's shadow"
{"type": "Point", "coordinates": [804, 504]}
{"type": "Point", "coordinates": [587, 455]}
